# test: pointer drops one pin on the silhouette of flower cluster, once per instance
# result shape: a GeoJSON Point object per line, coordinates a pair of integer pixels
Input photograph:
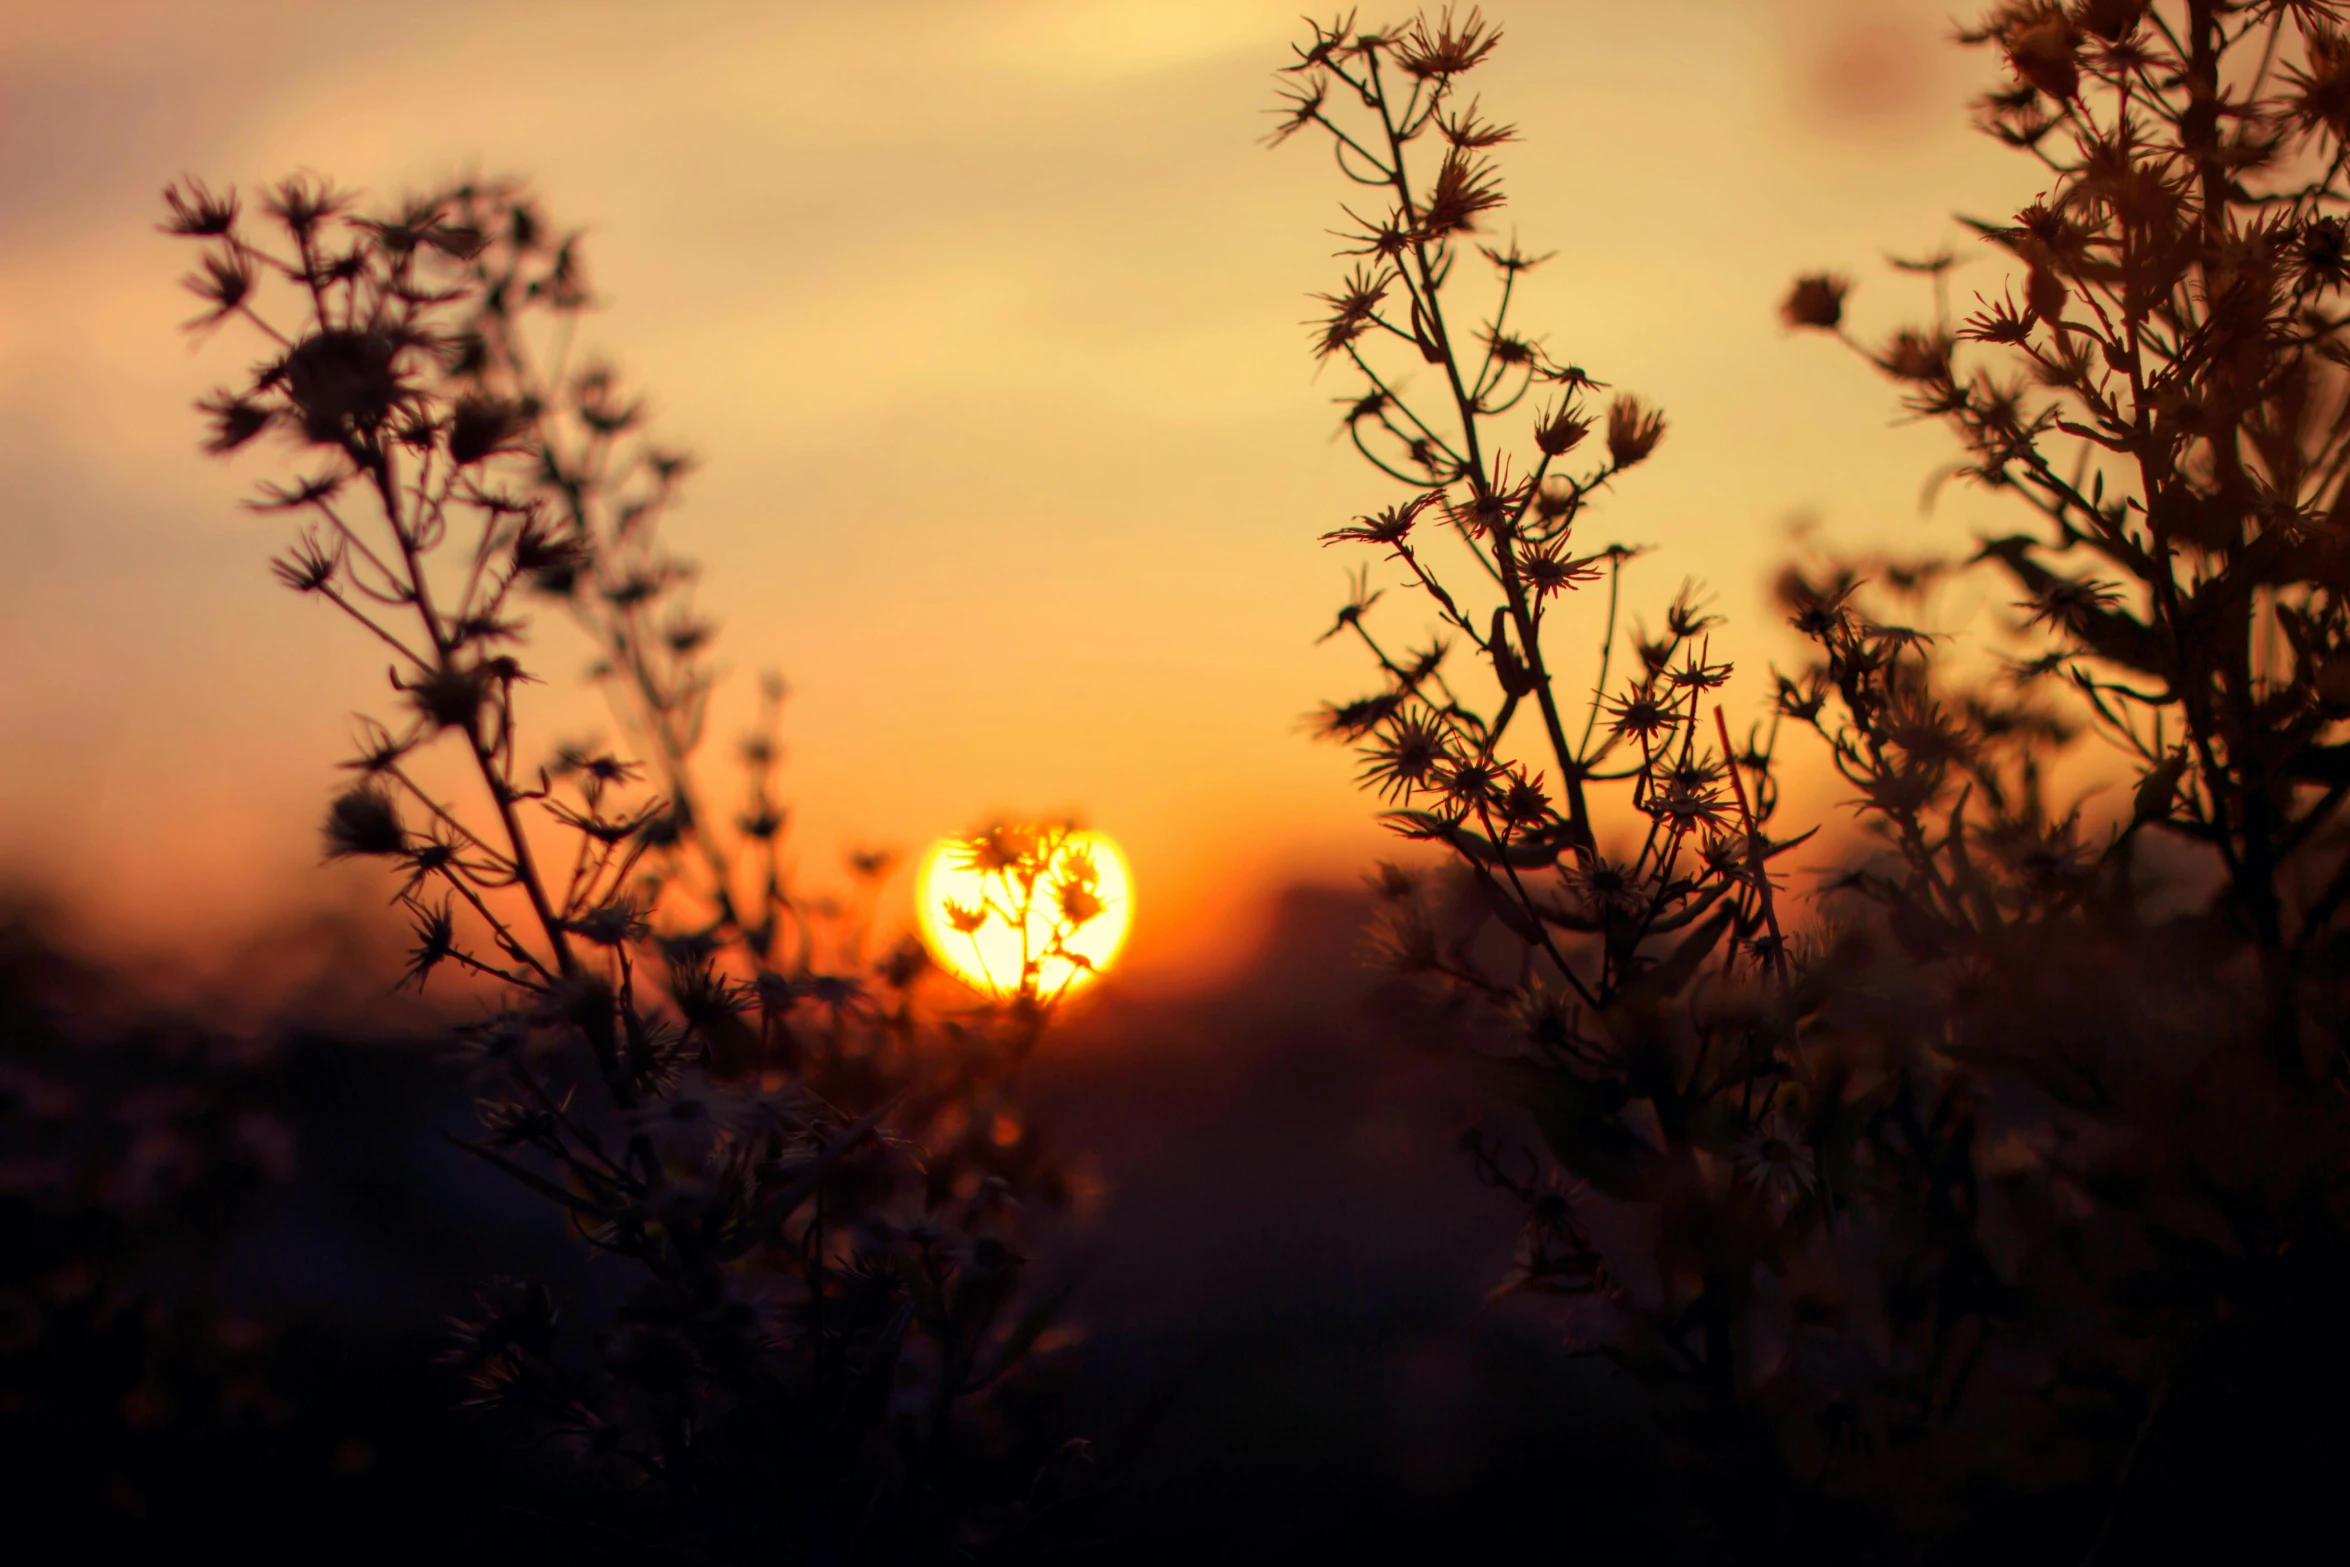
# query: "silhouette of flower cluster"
{"type": "Point", "coordinates": [1926, 1206]}
{"type": "Point", "coordinates": [821, 1178]}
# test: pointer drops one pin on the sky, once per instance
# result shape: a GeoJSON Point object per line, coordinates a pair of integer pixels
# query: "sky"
{"type": "Point", "coordinates": [983, 318]}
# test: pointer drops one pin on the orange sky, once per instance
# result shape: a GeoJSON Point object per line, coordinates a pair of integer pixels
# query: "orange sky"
{"type": "Point", "coordinates": [983, 316]}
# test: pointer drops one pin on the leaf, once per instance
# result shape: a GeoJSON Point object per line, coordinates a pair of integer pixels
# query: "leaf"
{"type": "Point", "coordinates": [1668, 978]}
{"type": "Point", "coordinates": [1507, 909]}
{"type": "Point", "coordinates": [1524, 854]}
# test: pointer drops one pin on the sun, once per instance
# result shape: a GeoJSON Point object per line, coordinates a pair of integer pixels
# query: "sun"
{"type": "Point", "coordinates": [1025, 911]}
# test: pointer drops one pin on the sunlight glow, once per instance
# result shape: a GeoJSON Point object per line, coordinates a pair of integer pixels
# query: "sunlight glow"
{"type": "Point", "coordinates": [1035, 911]}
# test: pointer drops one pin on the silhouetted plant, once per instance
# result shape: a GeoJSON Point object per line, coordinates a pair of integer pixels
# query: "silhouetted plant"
{"type": "Point", "coordinates": [1929, 1213]}
{"type": "Point", "coordinates": [1619, 848]}
{"type": "Point", "coordinates": [821, 1176]}
{"type": "Point", "coordinates": [2151, 998]}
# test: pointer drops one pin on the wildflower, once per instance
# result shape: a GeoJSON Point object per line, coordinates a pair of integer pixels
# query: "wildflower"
{"type": "Point", "coordinates": [302, 204]}
{"type": "Point", "coordinates": [1641, 715]}
{"type": "Point", "coordinates": [2000, 323]}
{"type": "Point", "coordinates": [1775, 1165]}
{"type": "Point", "coordinates": [2325, 252]}
{"type": "Point", "coordinates": [224, 284]}
{"type": "Point", "coordinates": [1686, 617]}
{"type": "Point", "coordinates": [2111, 20]}
{"type": "Point", "coordinates": [1685, 808]}
{"type": "Point", "coordinates": [196, 212]}
{"type": "Point", "coordinates": [2044, 50]}
{"type": "Point", "coordinates": [1353, 309]}
{"type": "Point", "coordinates": [435, 929]}
{"type": "Point", "coordinates": [1352, 720]}
{"type": "Point", "coordinates": [308, 491]}
{"type": "Point", "coordinates": [1604, 889]}
{"type": "Point", "coordinates": [1696, 676]}
{"type": "Point", "coordinates": [1816, 301]}
{"type": "Point", "coordinates": [612, 925]}
{"type": "Point", "coordinates": [1512, 261]}
{"type": "Point", "coordinates": [309, 566]}
{"type": "Point", "coordinates": [1466, 130]}
{"type": "Point", "coordinates": [1001, 849]}
{"type": "Point", "coordinates": [1465, 189]}
{"type": "Point", "coordinates": [1448, 51]}
{"type": "Point", "coordinates": [1524, 804]}
{"type": "Point", "coordinates": [964, 918]}
{"type": "Point", "coordinates": [482, 427]}
{"type": "Point", "coordinates": [1560, 430]}
{"type": "Point", "coordinates": [1301, 106]}
{"type": "Point", "coordinates": [378, 750]}
{"type": "Point", "coordinates": [364, 821]}
{"type": "Point", "coordinates": [2321, 98]}
{"type": "Point", "coordinates": [1391, 526]}
{"type": "Point", "coordinates": [2072, 605]}
{"type": "Point", "coordinates": [1916, 355]}
{"type": "Point", "coordinates": [343, 384]}
{"type": "Point", "coordinates": [449, 696]}
{"type": "Point", "coordinates": [1548, 569]}
{"type": "Point", "coordinates": [1632, 431]}
{"type": "Point", "coordinates": [1079, 902]}
{"type": "Point", "coordinates": [1473, 781]}
{"type": "Point", "coordinates": [235, 421]}
{"type": "Point", "coordinates": [1411, 748]}
{"type": "Point", "coordinates": [1489, 510]}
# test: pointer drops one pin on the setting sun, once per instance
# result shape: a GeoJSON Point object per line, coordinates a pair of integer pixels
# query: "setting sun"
{"type": "Point", "coordinates": [1040, 911]}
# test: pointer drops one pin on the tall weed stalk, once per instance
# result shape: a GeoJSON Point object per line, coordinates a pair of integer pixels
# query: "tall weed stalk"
{"type": "Point", "coordinates": [815, 1167]}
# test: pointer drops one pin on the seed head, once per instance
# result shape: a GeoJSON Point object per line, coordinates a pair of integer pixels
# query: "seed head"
{"type": "Point", "coordinates": [196, 212]}
{"type": "Point", "coordinates": [482, 427]}
{"type": "Point", "coordinates": [1816, 301]}
{"type": "Point", "coordinates": [1560, 430]}
{"type": "Point", "coordinates": [364, 821]}
{"type": "Point", "coordinates": [1632, 431]}
{"type": "Point", "coordinates": [2044, 48]}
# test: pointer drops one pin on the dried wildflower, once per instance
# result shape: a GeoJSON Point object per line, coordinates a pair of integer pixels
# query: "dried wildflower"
{"type": "Point", "coordinates": [1391, 526]}
{"type": "Point", "coordinates": [2110, 20]}
{"type": "Point", "coordinates": [1410, 750]}
{"type": "Point", "coordinates": [236, 420]}
{"type": "Point", "coordinates": [1448, 49]}
{"type": "Point", "coordinates": [2321, 98]}
{"type": "Point", "coordinates": [449, 696]}
{"type": "Point", "coordinates": [1916, 355]}
{"type": "Point", "coordinates": [1560, 430]}
{"type": "Point", "coordinates": [1352, 309]}
{"type": "Point", "coordinates": [224, 284]}
{"type": "Point", "coordinates": [2043, 47]}
{"type": "Point", "coordinates": [364, 821]}
{"type": "Point", "coordinates": [1632, 431]}
{"type": "Point", "coordinates": [1777, 1166]}
{"type": "Point", "coordinates": [1466, 130]}
{"type": "Point", "coordinates": [481, 427]}
{"type": "Point", "coordinates": [1466, 188]}
{"type": "Point", "coordinates": [1816, 301]}
{"type": "Point", "coordinates": [1549, 569]}
{"type": "Point", "coordinates": [310, 566]}
{"type": "Point", "coordinates": [1639, 714]}
{"type": "Point", "coordinates": [196, 212]}
{"type": "Point", "coordinates": [1352, 720]}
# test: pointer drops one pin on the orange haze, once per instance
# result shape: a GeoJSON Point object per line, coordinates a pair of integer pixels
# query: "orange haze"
{"type": "Point", "coordinates": [983, 316]}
